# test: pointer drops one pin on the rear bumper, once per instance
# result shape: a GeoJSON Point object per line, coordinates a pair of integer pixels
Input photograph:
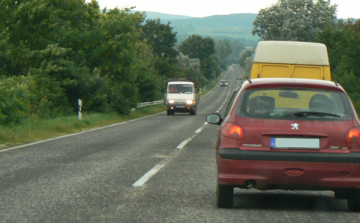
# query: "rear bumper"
{"type": "Point", "coordinates": [237, 154]}
{"type": "Point", "coordinates": [288, 170]}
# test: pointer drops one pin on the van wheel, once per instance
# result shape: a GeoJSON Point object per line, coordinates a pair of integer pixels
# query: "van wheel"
{"type": "Point", "coordinates": [354, 201]}
{"type": "Point", "coordinates": [193, 112]}
{"type": "Point", "coordinates": [224, 196]}
{"type": "Point", "coordinates": [168, 112]}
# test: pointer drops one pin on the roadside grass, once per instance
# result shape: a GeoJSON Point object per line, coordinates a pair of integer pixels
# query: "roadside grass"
{"type": "Point", "coordinates": [35, 129]}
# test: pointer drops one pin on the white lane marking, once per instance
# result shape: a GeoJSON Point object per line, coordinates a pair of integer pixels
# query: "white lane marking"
{"type": "Point", "coordinates": [140, 182]}
{"type": "Point", "coordinates": [217, 111]}
{"type": "Point", "coordinates": [156, 168]}
{"type": "Point", "coordinates": [201, 128]}
{"type": "Point", "coordinates": [181, 145]}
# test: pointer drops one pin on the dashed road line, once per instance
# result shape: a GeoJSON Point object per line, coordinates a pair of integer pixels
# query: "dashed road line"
{"type": "Point", "coordinates": [156, 168]}
{"type": "Point", "coordinates": [183, 143]}
{"type": "Point", "coordinates": [140, 182]}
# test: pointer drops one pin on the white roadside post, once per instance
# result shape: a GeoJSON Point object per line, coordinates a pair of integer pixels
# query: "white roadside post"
{"type": "Point", "coordinates": [80, 112]}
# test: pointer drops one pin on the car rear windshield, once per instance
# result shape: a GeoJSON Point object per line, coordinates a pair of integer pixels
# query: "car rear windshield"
{"type": "Point", "coordinates": [281, 103]}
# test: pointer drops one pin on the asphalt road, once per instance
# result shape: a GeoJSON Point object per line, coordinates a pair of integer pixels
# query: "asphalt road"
{"type": "Point", "coordinates": [154, 169]}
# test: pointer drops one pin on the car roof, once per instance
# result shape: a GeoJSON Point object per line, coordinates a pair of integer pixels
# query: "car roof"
{"type": "Point", "coordinates": [292, 82]}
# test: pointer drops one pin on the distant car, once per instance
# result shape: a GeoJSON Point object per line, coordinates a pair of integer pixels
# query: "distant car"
{"type": "Point", "coordinates": [223, 83]}
{"type": "Point", "coordinates": [290, 134]}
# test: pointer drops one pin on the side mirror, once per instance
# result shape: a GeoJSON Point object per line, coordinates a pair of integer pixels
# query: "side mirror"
{"type": "Point", "coordinates": [214, 118]}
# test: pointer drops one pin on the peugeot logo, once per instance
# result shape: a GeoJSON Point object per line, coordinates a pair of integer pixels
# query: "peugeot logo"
{"type": "Point", "coordinates": [294, 126]}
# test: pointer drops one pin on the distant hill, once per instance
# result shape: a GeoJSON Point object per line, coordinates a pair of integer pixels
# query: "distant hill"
{"type": "Point", "coordinates": [231, 27]}
{"type": "Point", "coordinates": [165, 17]}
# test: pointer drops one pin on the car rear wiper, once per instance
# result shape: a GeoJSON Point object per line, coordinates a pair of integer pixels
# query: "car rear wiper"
{"type": "Point", "coordinates": [308, 113]}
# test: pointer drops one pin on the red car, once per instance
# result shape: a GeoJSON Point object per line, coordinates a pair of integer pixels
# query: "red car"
{"type": "Point", "coordinates": [291, 134]}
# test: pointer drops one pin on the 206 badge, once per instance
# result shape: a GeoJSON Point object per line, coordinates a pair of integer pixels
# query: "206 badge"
{"type": "Point", "coordinates": [294, 126]}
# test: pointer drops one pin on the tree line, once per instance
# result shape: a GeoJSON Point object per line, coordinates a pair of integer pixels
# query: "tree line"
{"type": "Point", "coordinates": [54, 52]}
{"type": "Point", "coordinates": [314, 21]}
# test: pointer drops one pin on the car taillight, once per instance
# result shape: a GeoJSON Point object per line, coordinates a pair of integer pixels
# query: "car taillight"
{"type": "Point", "coordinates": [353, 135]}
{"type": "Point", "coordinates": [232, 130]}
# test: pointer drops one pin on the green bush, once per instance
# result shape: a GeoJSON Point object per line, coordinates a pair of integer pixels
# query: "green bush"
{"type": "Point", "coordinates": [14, 99]}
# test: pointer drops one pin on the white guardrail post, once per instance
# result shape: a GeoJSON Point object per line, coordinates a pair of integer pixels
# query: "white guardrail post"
{"type": "Point", "coordinates": [80, 112]}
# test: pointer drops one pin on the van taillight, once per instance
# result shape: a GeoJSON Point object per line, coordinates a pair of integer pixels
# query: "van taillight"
{"type": "Point", "coordinates": [353, 135]}
{"type": "Point", "coordinates": [232, 130]}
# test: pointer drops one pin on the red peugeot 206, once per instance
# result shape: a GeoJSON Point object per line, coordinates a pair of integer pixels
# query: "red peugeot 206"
{"type": "Point", "coordinates": [291, 134]}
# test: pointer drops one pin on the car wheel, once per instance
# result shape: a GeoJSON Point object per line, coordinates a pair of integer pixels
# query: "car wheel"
{"type": "Point", "coordinates": [354, 201]}
{"type": "Point", "coordinates": [168, 112]}
{"type": "Point", "coordinates": [225, 196]}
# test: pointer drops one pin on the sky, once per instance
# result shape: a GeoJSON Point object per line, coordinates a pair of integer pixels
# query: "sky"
{"type": "Point", "coordinates": [202, 8]}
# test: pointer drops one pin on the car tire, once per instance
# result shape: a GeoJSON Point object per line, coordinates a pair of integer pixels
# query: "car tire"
{"type": "Point", "coordinates": [225, 196]}
{"type": "Point", "coordinates": [169, 112]}
{"type": "Point", "coordinates": [354, 201]}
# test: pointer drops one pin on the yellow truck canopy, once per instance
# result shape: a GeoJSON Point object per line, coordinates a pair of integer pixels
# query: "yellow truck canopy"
{"type": "Point", "coordinates": [291, 52]}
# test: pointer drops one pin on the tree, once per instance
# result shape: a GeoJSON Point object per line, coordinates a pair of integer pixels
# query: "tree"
{"type": "Point", "coordinates": [191, 68]}
{"type": "Point", "coordinates": [223, 50]}
{"type": "Point", "coordinates": [297, 20]}
{"type": "Point", "coordinates": [236, 47]}
{"type": "Point", "coordinates": [160, 37]}
{"type": "Point", "coordinates": [343, 44]}
{"type": "Point", "coordinates": [204, 49]}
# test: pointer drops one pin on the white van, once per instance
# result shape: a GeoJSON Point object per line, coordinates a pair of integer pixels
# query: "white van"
{"type": "Point", "coordinates": [181, 96]}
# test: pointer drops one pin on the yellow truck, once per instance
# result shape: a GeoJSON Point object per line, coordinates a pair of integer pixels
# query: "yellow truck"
{"type": "Point", "coordinates": [291, 59]}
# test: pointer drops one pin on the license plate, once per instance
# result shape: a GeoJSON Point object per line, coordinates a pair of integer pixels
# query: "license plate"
{"type": "Point", "coordinates": [294, 143]}
{"type": "Point", "coordinates": [180, 106]}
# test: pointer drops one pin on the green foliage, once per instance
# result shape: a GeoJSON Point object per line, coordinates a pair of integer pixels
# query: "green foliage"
{"type": "Point", "coordinates": [191, 68]}
{"type": "Point", "coordinates": [162, 40]}
{"type": "Point", "coordinates": [53, 53]}
{"type": "Point", "coordinates": [236, 47]}
{"type": "Point", "coordinates": [204, 49]}
{"type": "Point", "coordinates": [343, 43]}
{"type": "Point", "coordinates": [245, 54]}
{"type": "Point", "coordinates": [223, 50]}
{"type": "Point", "coordinates": [298, 20]}
{"type": "Point", "coordinates": [160, 37]}
{"type": "Point", "coordinates": [15, 98]}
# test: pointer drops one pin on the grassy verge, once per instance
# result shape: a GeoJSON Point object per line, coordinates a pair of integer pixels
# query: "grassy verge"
{"type": "Point", "coordinates": [34, 129]}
